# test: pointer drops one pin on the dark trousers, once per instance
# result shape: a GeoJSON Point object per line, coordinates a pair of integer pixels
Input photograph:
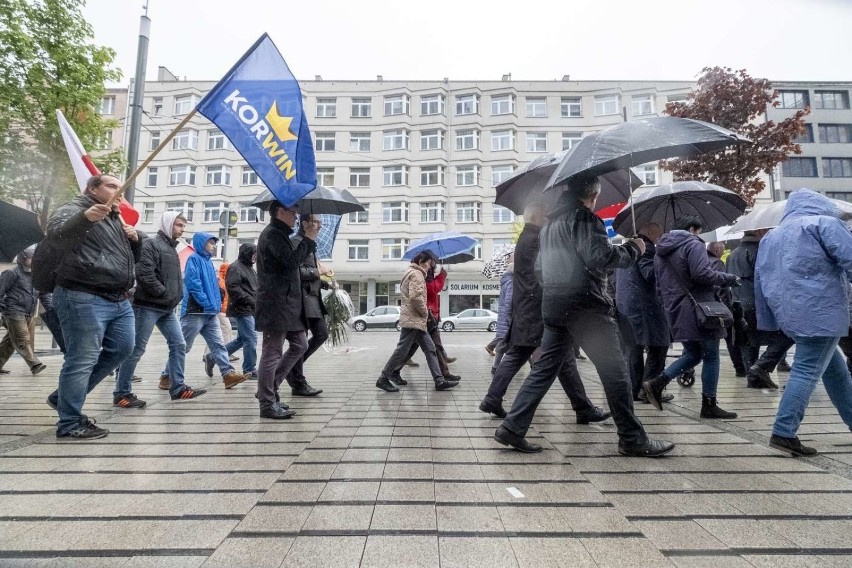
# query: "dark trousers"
{"type": "Point", "coordinates": [407, 338]}
{"type": "Point", "coordinates": [735, 353]}
{"type": "Point", "coordinates": [275, 364]}
{"type": "Point", "coordinates": [775, 352]}
{"type": "Point", "coordinates": [846, 346]}
{"type": "Point", "coordinates": [499, 350]}
{"type": "Point", "coordinates": [597, 334]}
{"type": "Point", "coordinates": [643, 367]}
{"type": "Point", "coordinates": [319, 335]}
{"type": "Point", "coordinates": [51, 320]}
{"type": "Point", "coordinates": [440, 353]}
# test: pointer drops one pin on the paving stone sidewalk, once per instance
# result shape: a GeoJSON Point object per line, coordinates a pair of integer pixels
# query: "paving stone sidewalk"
{"type": "Point", "coordinates": [361, 477]}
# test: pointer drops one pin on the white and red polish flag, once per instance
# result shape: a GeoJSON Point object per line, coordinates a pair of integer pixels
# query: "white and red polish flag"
{"type": "Point", "coordinates": [84, 168]}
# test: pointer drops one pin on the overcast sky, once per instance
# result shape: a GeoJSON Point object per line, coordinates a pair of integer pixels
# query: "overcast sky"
{"type": "Point", "coordinates": [483, 39]}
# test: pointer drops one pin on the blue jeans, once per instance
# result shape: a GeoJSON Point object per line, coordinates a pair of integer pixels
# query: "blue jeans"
{"type": "Point", "coordinates": [815, 357]}
{"type": "Point", "coordinates": [208, 326]}
{"type": "Point", "coordinates": [247, 341]}
{"type": "Point", "coordinates": [99, 336]}
{"type": "Point", "coordinates": [706, 352]}
{"type": "Point", "coordinates": [167, 323]}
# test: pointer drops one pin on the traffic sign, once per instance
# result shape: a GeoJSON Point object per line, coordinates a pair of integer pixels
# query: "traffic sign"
{"type": "Point", "coordinates": [228, 218]}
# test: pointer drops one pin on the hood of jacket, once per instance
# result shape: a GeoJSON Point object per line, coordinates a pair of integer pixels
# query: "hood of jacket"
{"type": "Point", "coordinates": [167, 222]}
{"type": "Point", "coordinates": [804, 203]}
{"type": "Point", "coordinates": [198, 242]}
{"type": "Point", "coordinates": [246, 254]}
{"type": "Point", "coordinates": [674, 240]}
{"type": "Point", "coordinates": [25, 254]}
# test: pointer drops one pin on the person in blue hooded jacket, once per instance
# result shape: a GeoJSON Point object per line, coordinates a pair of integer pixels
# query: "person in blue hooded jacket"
{"type": "Point", "coordinates": [801, 287]}
{"type": "Point", "coordinates": [199, 310]}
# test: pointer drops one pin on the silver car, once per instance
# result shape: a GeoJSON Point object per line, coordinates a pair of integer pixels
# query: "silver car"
{"type": "Point", "coordinates": [383, 316]}
{"type": "Point", "coordinates": [471, 319]}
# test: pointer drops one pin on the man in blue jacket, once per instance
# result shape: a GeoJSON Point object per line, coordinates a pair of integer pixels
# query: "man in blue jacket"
{"type": "Point", "coordinates": [801, 287]}
{"type": "Point", "coordinates": [201, 304]}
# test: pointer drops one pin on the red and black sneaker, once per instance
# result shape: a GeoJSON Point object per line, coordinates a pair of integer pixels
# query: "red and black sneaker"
{"type": "Point", "coordinates": [128, 401]}
{"type": "Point", "coordinates": [188, 393]}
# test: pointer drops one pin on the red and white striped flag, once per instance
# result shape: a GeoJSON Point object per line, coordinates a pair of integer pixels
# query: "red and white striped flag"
{"type": "Point", "coordinates": [84, 168]}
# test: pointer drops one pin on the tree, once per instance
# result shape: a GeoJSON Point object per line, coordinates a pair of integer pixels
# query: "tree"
{"type": "Point", "coordinates": [736, 101]}
{"type": "Point", "coordinates": [48, 62]}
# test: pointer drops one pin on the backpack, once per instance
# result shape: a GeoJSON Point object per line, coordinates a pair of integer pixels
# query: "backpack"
{"type": "Point", "coordinates": [46, 260]}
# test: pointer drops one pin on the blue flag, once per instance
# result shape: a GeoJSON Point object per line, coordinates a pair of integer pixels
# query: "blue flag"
{"type": "Point", "coordinates": [258, 106]}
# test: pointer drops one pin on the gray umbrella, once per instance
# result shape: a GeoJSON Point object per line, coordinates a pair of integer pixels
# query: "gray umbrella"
{"type": "Point", "coordinates": [715, 205]}
{"type": "Point", "coordinates": [527, 184]}
{"type": "Point", "coordinates": [769, 216]}
{"type": "Point", "coordinates": [322, 200]}
{"type": "Point", "coordinates": [18, 230]}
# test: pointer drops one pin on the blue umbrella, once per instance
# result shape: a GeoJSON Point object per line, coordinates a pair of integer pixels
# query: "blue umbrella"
{"type": "Point", "coordinates": [443, 245]}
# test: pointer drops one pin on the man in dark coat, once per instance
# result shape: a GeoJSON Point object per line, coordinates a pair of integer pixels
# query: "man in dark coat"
{"type": "Point", "coordinates": [312, 285]}
{"type": "Point", "coordinates": [280, 312]}
{"type": "Point", "coordinates": [241, 283]}
{"type": "Point", "coordinates": [715, 251]}
{"type": "Point", "coordinates": [18, 301]}
{"type": "Point", "coordinates": [526, 329]}
{"type": "Point", "coordinates": [685, 276]}
{"type": "Point", "coordinates": [576, 308]}
{"type": "Point", "coordinates": [639, 307]}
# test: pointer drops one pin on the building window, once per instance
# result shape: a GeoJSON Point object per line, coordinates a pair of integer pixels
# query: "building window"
{"type": "Point", "coordinates": [359, 250]}
{"type": "Point", "coordinates": [185, 208]}
{"type": "Point", "coordinates": [104, 141]}
{"type": "Point", "coordinates": [151, 178]}
{"type": "Point", "coordinates": [467, 175]}
{"type": "Point", "coordinates": [395, 175]}
{"type": "Point", "coordinates": [362, 107]}
{"type": "Point", "coordinates": [571, 107]}
{"type": "Point", "coordinates": [502, 140]}
{"type": "Point", "coordinates": [571, 139]}
{"type": "Point", "coordinates": [327, 108]}
{"type": "Point", "coordinates": [499, 174]}
{"type": "Point", "coordinates": [467, 104]}
{"type": "Point", "coordinates": [650, 175]}
{"type": "Point", "coordinates": [325, 142]}
{"type": "Point", "coordinates": [468, 212]}
{"type": "Point", "coordinates": [396, 104]}
{"type": "Point", "coordinates": [108, 105]}
{"type": "Point", "coordinates": [431, 104]}
{"type": "Point", "coordinates": [503, 215]}
{"type": "Point", "coordinates": [794, 99]}
{"type": "Point", "coordinates": [359, 217]}
{"type": "Point", "coordinates": [148, 213]}
{"type": "Point", "coordinates": [477, 250]}
{"type": "Point", "coordinates": [431, 139]}
{"type": "Point", "coordinates": [606, 104]}
{"type": "Point", "coordinates": [677, 98]}
{"type": "Point", "coordinates": [393, 249]}
{"type": "Point", "coordinates": [432, 212]}
{"type": "Point", "coordinates": [181, 175]}
{"type": "Point", "coordinates": [395, 212]}
{"type": "Point", "coordinates": [154, 141]}
{"type": "Point", "coordinates": [185, 140]}
{"type": "Point", "coordinates": [467, 139]}
{"type": "Point", "coordinates": [837, 167]}
{"type": "Point", "coordinates": [536, 107]}
{"type": "Point", "coordinates": [184, 104]}
{"type": "Point", "coordinates": [157, 105]}
{"type": "Point", "coordinates": [218, 175]}
{"type": "Point", "coordinates": [359, 141]}
{"type": "Point", "coordinates": [841, 195]}
{"type": "Point", "coordinates": [831, 99]}
{"type": "Point", "coordinates": [799, 167]}
{"type": "Point", "coordinates": [249, 176]}
{"type": "Point", "coordinates": [643, 104]}
{"type": "Point", "coordinates": [250, 214]}
{"type": "Point", "coordinates": [216, 140]}
{"type": "Point", "coordinates": [213, 209]}
{"type": "Point", "coordinates": [835, 133]}
{"type": "Point", "coordinates": [395, 140]}
{"type": "Point", "coordinates": [807, 136]}
{"type": "Point", "coordinates": [536, 142]}
{"type": "Point", "coordinates": [502, 104]}
{"type": "Point", "coordinates": [359, 177]}
{"type": "Point", "coordinates": [325, 177]}
{"type": "Point", "coordinates": [431, 175]}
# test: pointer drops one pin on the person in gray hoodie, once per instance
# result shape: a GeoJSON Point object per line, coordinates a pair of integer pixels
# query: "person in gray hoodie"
{"type": "Point", "coordinates": [18, 301]}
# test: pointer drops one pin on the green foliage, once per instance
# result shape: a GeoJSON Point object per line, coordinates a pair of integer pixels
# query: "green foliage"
{"type": "Point", "coordinates": [47, 62]}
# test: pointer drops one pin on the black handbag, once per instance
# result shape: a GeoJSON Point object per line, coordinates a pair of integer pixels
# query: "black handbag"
{"type": "Point", "coordinates": [711, 315]}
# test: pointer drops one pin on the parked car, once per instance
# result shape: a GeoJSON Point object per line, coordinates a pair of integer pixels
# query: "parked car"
{"type": "Point", "coordinates": [471, 319]}
{"type": "Point", "coordinates": [383, 316]}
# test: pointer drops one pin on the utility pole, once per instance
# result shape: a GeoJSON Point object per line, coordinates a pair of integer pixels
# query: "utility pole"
{"type": "Point", "coordinates": [138, 98]}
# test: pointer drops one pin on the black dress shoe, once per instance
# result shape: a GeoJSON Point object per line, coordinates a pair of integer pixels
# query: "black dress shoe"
{"type": "Point", "coordinates": [452, 377]}
{"type": "Point", "coordinates": [304, 389]}
{"type": "Point", "coordinates": [509, 438]}
{"type": "Point", "coordinates": [784, 367]}
{"type": "Point", "coordinates": [791, 445]}
{"type": "Point", "coordinates": [647, 449]}
{"type": "Point", "coordinates": [597, 414]}
{"type": "Point", "coordinates": [443, 384]}
{"type": "Point", "coordinates": [495, 409]}
{"type": "Point", "coordinates": [398, 380]}
{"type": "Point", "coordinates": [654, 391]}
{"type": "Point", "coordinates": [384, 384]}
{"type": "Point", "coordinates": [275, 412]}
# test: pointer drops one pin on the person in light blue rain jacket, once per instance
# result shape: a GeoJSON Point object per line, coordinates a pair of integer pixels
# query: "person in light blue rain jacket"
{"type": "Point", "coordinates": [801, 287]}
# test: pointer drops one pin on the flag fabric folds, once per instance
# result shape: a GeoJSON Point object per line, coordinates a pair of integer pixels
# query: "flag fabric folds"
{"type": "Point", "coordinates": [258, 106]}
{"type": "Point", "coordinates": [327, 234]}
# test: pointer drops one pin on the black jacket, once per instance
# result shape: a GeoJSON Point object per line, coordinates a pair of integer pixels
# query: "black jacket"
{"type": "Point", "coordinates": [279, 290]}
{"type": "Point", "coordinates": [241, 281]}
{"type": "Point", "coordinates": [526, 328]}
{"type": "Point", "coordinates": [17, 295]}
{"type": "Point", "coordinates": [637, 300]}
{"type": "Point", "coordinates": [311, 283]}
{"type": "Point", "coordinates": [741, 263]}
{"type": "Point", "coordinates": [159, 282]}
{"type": "Point", "coordinates": [99, 258]}
{"type": "Point", "coordinates": [573, 261]}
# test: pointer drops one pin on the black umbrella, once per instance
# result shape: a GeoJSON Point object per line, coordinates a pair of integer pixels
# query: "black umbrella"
{"type": "Point", "coordinates": [715, 205]}
{"type": "Point", "coordinates": [18, 229]}
{"type": "Point", "coordinates": [527, 184]}
{"type": "Point", "coordinates": [322, 200]}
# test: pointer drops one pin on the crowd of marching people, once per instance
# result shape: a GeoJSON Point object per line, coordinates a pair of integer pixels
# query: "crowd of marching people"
{"type": "Point", "coordinates": [104, 287]}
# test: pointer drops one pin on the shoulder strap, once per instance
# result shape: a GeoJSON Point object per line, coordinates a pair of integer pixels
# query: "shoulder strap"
{"type": "Point", "coordinates": [678, 278]}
